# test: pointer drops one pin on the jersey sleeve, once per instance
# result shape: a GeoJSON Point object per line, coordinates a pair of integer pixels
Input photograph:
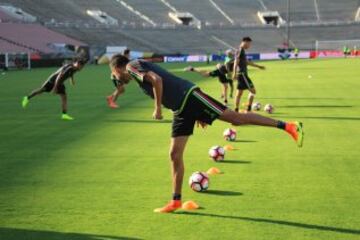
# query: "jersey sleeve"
{"type": "Point", "coordinates": [137, 70]}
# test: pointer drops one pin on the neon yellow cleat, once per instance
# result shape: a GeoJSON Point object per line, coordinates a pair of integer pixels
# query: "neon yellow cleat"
{"type": "Point", "coordinates": [25, 102]}
{"type": "Point", "coordinates": [66, 117]}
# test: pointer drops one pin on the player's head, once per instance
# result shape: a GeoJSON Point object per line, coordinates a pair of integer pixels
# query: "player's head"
{"type": "Point", "coordinates": [126, 53]}
{"type": "Point", "coordinates": [79, 63]}
{"type": "Point", "coordinates": [246, 43]}
{"type": "Point", "coordinates": [118, 67]}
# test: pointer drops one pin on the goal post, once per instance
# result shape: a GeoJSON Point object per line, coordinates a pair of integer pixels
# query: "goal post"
{"type": "Point", "coordinates": [13, 61]}
{"type": "Point", "coordinates": [337, 45]}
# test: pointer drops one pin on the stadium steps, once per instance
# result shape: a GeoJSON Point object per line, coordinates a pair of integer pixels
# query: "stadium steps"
{"type": "Point", "coordinates": [20, 45]}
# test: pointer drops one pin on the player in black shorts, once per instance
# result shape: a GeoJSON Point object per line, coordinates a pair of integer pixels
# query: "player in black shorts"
{"type": "Point", "coordinates": [55, 84]}
{"type": "Point", "coordinates": [220, 72]}
{"type": "Point", "coordinates": [119, 85]}
{"type": "Point", "coordinates": [240, 73]}
{"type": "Point", "coordinates": [190, 105]}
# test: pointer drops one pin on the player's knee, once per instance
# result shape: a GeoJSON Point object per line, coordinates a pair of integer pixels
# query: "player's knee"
{"type": "Point", "coordinates": [175, 155]}
{"type": "Point", "coordinates": [252, 94]}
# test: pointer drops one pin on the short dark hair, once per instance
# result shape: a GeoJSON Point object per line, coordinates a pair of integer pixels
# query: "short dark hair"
{"type": "Point", "coordinates": [247, 39]}
{"type": "Point", "coordinates": [126, 51]}
{"type": "Point", "coordinates": [118, 60]}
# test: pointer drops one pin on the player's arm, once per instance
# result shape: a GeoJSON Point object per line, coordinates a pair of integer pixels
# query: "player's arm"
{"type": "Point", "coordinates": [57, 81]}
{"type": "Point", "coordinates": [235, 68]}
{"type": "Point", "coordinates": [157, 84]}
{"type": "Point", "coordinates": [72, 80]}
{"type": "Point", "coordinates": [255, 65]}
{"type": "Point", "coordinates": [202, 72]}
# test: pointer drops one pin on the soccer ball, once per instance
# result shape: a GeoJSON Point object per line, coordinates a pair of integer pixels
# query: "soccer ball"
{"type": "Point", "coordinates": [256, 106]}
{"type": "Point", "coordinates": [230, 134]}
{"type": "Point", "coordinates": [269, 108]}
{"type": "Point", "coordinates": [217, 153]}
{"type": "Point", "coordinates": [199, 181]}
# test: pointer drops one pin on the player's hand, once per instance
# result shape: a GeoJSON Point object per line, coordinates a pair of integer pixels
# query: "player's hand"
{"type": "Point", "coordinates": [262, 67]}
{"type": "Point", "coordinates": [157, 114]}
{"type": "Point", "coordinates": [201, 124]}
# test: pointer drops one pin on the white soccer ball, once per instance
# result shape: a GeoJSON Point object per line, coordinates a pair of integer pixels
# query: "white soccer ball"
{"type": "Point", "coordinates": [199, 181]}
{"type": "Point", "coordinates": [269, 108]}
{"type": "Point", "coordinates": [256, 106]}
{"type": "Point", "coordinates": [217, 153]}
{"type": "Point", "coordinates": [230, 134]}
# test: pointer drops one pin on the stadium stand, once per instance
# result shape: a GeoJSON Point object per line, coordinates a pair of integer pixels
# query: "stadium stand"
{"type": "Point", "coordinates": [34, 37]}
{"type": "Point", "coordinates": [309, 19]}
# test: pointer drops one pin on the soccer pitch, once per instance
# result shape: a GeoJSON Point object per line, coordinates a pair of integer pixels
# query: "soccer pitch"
{"type": "Point", "coordinates": [101, 176]}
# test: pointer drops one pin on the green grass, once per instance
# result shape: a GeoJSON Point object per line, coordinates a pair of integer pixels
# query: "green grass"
{"type": "Point", "coordinates": [101, 176]}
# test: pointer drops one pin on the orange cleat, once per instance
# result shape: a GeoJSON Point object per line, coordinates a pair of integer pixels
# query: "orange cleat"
{"type": "Point", "coordinates": [113, 105]}
{"type": "Point", "coordinates": [296, 131]}
{"type": "Point", "coordinates": [172, 206]}
{"type": "Point", "coordinates": [110, 102]}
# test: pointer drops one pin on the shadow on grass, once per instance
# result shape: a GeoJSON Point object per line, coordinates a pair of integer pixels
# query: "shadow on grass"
{"type": "Point", "coordinates": [137, 121]}
{"type": "Point", "coordinates": [278, 222]}
{"type": "Point", "coordinates": [316, 106]}
{"type": "Point", "coordinates": [235, 162]}
{"type": "Point", "coordinates": [329, 118]}
{"type": "Point", "coordinates": [18, 234]}
{"type": "Point", "coordinates": [222, 193]}
{"type": "Point", "coordinates": [245, 141]}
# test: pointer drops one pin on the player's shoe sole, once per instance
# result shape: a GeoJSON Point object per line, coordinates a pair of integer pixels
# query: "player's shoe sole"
{"type": "Point", "coordinates": [25, 102]}
{"type": "Point", "coordinates": [300, 132]}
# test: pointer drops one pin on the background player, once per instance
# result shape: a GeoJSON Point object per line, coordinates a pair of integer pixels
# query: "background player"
{"type": "Point", "coordinates": [190, 105]}
{"type": "Point", "coordinates": [240, 73]}
{"type": "Point", "coordinates": [55, 84]}
{"type": "Point", "coordinates": [119, 85]}
{"type": "Point", "coordinates": [220, 72]}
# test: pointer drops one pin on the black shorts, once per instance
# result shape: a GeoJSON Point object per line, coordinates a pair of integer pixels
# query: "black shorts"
{"type": "Point", "coordinates": [49, 85]}
{"type": "Point", "coordinates": [244, 82]}
{"type": "Point", "coordinates": [225, 80]}
{"type": "Point", "coordinates": [199, 107]}
{"type": "Point", "coordinates": [117, 83]}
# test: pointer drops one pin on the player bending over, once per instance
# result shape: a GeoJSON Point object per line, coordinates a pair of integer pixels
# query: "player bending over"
{"type": "Point", "coordinates": [240, 73]}
{"type": "Point", "coordinates": [55, 84]}
{"type": "Point", "coordinates": [219, 72]}
{"type": "Point", "coordinates": [119, 85]}
{"type": "Point", "coordinates": [189, 105]}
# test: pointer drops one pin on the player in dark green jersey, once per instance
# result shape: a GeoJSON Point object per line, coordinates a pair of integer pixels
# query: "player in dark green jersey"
{"type": "Point", "coordinates": [55, 84]}
{"type": "Point", "coordinates": [190, 105]}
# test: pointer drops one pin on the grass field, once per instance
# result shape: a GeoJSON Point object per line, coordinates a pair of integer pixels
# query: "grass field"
{"type": "Point", "coordinates": [101, 176]}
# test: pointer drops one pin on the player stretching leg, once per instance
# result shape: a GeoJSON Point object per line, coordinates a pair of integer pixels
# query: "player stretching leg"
{"type": "Point", "coordinates": [55, 84]}
{"type": "Point", "coordinates": [229, 64]}
{"type": "Point", "coordinates": [190, 105]}
{"type": "Point", "coordinates": [119, 85]}
{"type": "Point", "coordinates": [219, 72]}
{"type": "Point", "coordinates": [244, 82]}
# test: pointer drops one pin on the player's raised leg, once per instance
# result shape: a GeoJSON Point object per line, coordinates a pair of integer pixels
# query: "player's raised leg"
{"type": "Point", "coordinates": [176, 153]}
{"type": "Point", "coordinates": [295, 129]}
{"type": "Point", "coordinates": [34, 93]}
